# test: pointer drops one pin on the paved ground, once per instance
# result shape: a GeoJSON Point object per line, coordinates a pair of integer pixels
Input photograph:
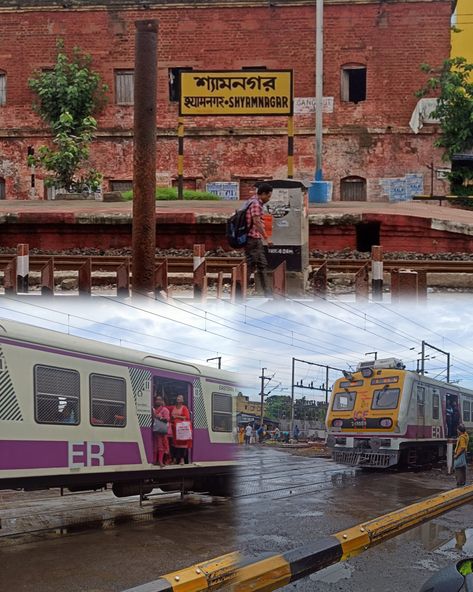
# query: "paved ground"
{"type": "Point", "coordinates": [286, 501]}
{"type": "Point", "coordinates": [109, 545]}
{"type": "Point", "coordinates": [91, 207]}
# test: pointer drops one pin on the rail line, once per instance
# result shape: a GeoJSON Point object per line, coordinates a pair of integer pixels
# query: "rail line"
{"type": "Point", "coordinates": [104, 263]}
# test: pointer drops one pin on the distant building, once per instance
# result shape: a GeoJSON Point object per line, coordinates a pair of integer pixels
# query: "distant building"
{"type": "Point", "coordinates": [373, 52]}
{"type": "Point", "coordinates": [244, 405]}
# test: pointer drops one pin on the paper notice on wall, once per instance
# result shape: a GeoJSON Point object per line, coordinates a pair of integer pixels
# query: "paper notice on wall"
{"type": "Point", "coordinates": [306, 105]}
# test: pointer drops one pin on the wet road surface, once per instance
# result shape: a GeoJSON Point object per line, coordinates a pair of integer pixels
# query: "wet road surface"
{"type": "Point", "coordinates": [285, 501]}
{"type": "Point", "coordinates": [128, 547]}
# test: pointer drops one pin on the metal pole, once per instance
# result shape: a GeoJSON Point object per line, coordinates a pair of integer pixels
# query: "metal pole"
{"type": "Point", "coordinates": [326, 385]}
{"type": "Point", "coordinates": [292, 397]}
{"type": "Point", "coordinates": [448, 367]}
{"type": "Point", "coordinates": [262, 396]}
{"type": "Point", "coordinates": [144, 157]}
{"type": "Point", "coordinates": [319, 74]}
{"type": "Point", "coordinates": [422, 365]}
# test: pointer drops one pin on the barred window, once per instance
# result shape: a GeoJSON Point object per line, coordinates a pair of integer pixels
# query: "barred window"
{"type": "Point", "coordinates": [107, 401]}
{"type": "Point", "coordinates": [124, 87]}
{"type": "Point", "coordinates": [435, 406]}
{"type": "Point", "coordinates": [56, 395]}
{"type": "Point", "coordinates": [466, 410]}
{"type": "Point", "coordinates": [222, 412]}
{"type": "Point", "coordinates": [3, 89]}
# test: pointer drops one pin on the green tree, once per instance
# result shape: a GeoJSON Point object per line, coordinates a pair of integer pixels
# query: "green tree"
{"type": "Point", "coordinates": [453, 82]}
{"type": "Point", "coordinates": [67, 97]}
{"type": "Point", "coordinates": [278, 406]}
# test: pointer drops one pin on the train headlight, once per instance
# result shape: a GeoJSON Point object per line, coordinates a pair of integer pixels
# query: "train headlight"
{"type": "Point", "coordinates": [337, 423]}
{"type": "Point", "coordinates": [367, 372]}
{"type": "Point", "coordinates": [386, 422]}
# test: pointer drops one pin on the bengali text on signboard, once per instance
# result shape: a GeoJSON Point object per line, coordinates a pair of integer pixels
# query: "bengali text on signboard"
{"type": "Point", "coordinates": [235, 92]}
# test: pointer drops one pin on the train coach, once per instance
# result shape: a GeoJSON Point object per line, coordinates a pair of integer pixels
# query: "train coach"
{"type": "Point", "coordinates": [383, 415]}
{"type": "Point", "coordinates": [76, 413]}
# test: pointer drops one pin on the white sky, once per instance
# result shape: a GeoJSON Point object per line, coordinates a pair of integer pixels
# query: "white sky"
{"type": "Point", "coordinates": [261, 334]}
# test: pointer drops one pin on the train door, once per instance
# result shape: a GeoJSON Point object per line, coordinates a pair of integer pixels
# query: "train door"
{"type": "Point", "coordinates": [453, 414]}
{"type": "Point", "coordinates": [420, 431]}
{"type": "Point", "coordinates": [170, 388]}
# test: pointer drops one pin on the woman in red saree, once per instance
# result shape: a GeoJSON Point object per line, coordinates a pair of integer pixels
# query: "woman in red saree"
{"type": "Point", "coordinates": [161, 441]}
{"type": "Point", "coordinates": [180, 413]}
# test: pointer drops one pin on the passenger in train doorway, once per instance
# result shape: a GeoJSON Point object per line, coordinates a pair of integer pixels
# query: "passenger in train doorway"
{"type": "Point", "coordinates": [459, 462]}
{"type": "Point", "coordinates": [161, 421]}
{"type": "Point", "coordinates": [182, 431]}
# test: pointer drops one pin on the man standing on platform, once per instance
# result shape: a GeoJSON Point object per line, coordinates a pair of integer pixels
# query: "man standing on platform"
{"type": "Point", "coordinates": [254, 249]}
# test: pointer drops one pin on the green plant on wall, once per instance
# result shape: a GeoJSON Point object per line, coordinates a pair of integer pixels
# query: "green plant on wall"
{"type": "Point", "coordinates": [453, 82]}
{"type": "Point", "coordinates": [67, 97]}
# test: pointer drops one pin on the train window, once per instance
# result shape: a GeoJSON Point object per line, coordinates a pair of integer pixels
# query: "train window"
{"type": "Point", "coordinates": [435, 406]}
{"type": "Point", "coordinates": [466, 410]}
{"type": "Point", "coordinates": [56, 395]}
{"type": "Point", "coordinates": [385, 399]}
{"type": "Point", "coordinates": [344, 401]}
{"type": "Point", "coordinates": [107, 401]}
{"type": "Point", "coordinates": [222, 412]}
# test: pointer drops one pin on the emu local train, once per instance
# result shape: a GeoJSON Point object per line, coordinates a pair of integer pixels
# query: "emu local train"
{"type": "Point", "coordinates": [383, 415]}
{"type": "Point", "coordinates": [77, 413]}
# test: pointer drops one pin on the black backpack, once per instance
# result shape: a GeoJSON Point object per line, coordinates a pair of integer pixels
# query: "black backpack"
{"type": "Point", "coordinates": [238, 228]}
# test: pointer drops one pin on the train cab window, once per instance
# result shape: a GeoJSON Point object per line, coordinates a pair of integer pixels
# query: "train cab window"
{"type": "Point", "coordinates": [466, 410]}
{"type": "Point", "coordinates": [385, 399]}
{"type": "Point", "coordinates": [107, 401]}
{"type": "Point", "coordinates": [222, 412]}
{"type": "Point", "coordinates": [435, 406]}
{"type": "Point", "coordinates": [344, 401]}
{"type": "Point", "coordinates": [56, 395]}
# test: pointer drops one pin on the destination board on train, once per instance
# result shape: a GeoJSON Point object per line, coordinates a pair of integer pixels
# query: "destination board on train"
{"type": "Point", "coordinates": [236, 92]}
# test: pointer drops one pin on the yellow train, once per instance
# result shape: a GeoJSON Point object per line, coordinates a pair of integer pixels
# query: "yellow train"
{"type": "Point", "coordinates": [383, 415]}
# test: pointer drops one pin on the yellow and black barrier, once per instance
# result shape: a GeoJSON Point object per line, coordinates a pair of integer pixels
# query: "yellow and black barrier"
{"type": "Point", "coordinates": [208, 575]}
{"type": "Point", "coordinates": [271, 572]}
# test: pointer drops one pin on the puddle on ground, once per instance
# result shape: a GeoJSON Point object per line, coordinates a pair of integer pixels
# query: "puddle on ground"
{"type": "Point", "coordinates": [334, 573]}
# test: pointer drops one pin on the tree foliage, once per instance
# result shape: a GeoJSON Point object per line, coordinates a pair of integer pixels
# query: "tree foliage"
{"type": "Point", "coordinates": [453, 82]}
{"type": "Point", "coordinates": [67, 97]}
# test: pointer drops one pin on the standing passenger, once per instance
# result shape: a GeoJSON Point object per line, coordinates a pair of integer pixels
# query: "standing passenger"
{"type": "Point", "coordinates": [460, 456]}
{"type": "Point", "coordinates": [180, 414]}
{"type": "Point", "coordinates": [254, 249]}
{"type": "Point", "coordinates": [161, 441]}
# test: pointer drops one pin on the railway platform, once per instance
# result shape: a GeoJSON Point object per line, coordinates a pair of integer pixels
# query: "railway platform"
{"type": "Point", "coordinates": [404, 226]}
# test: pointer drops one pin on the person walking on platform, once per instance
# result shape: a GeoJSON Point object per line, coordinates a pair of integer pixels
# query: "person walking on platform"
{"type": "Point", "coordinates": [254, 248]}
{"type": "Point", "coordinates": [459, 462]}
{"type": "Point", "coordinates": [248, 433]}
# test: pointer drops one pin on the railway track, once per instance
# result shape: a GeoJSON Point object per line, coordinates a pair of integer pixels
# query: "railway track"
{"type": "Point", "coordinates": [225, 264]}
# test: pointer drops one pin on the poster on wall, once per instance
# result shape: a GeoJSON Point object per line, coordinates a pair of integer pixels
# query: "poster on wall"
{"type": "Point", "coordinates": [226, 190]}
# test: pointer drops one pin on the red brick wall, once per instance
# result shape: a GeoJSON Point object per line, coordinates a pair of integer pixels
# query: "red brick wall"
{"type": "Point", "coordinates": [371, 139]}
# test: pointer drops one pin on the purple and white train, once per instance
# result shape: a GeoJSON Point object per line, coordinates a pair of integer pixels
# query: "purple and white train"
{"type": "Point", "coordinates": [77, 413]}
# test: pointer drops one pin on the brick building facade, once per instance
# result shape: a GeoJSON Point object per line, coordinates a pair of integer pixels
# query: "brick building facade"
{"type": "Point", "coordinates": [373, 50]}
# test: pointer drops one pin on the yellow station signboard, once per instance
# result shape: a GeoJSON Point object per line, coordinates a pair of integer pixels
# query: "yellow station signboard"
{"type": "Point", "coordinates": [236, 92]}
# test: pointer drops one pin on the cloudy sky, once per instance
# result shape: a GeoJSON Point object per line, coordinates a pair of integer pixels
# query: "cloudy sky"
{"type": "Point", "coordinates": [261, 334]}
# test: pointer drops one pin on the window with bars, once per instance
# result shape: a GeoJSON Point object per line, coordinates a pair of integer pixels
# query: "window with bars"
{"type": "Point", "coordinates": [3, 89]}
{"type": "Point", "coordinates": [466, 410]}
{"type": "Point", "coordinates": [222, 412]}
{"type": "Point", "coordinates": [107, 401]}
{"type": "Point", "coordinates": [121, 185]}
{"type": "Point", "coordinates": [124, 87]}
{"type": "Point", "coordinates": [56, 395]}
{"type": "Point", "coordinates": [435, 406]}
